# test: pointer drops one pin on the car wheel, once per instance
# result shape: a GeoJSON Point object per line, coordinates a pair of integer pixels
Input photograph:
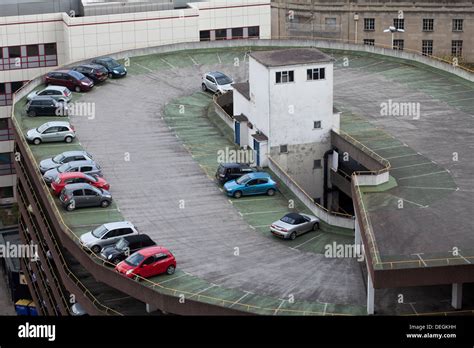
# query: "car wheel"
{"type": "Point", "coordinates": [271, 192]}
{"type": "Point", "coordinates": [96, 249]}
{"type": "Point", "coordinates": [104, 204]}
{"type": "Point", "coordinates": [37, 141]}
{"type": "Point", "coordinates": [316, 226]}
{"type": "Point", "coordinates": [110, 75]}
{"type": "Point", "coordinates": [31, 113]}
{"type": "Point", "coordinates": [204, 87]}
{"type": "Point", "coordinates": [170, 270]}
{"type": "Point", "coordinates": [116, 261]}
{"type": "Point", "coordinates": [293, 236]}
{"type": "Point", "coordinates": [237, 194]}
{"type": "Point", "coordinates": [137, 278]}
{"type": "Point", "coordinates": [70, 207]}
{"type": "Point", "coordinates": [68, 139]}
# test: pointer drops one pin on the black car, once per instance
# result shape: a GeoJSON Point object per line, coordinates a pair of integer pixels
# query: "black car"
{"type": "Point", "coordinates": [46, 106]}
{"type": "Point", "coordinates": [114, 68]}
{"type": "Point", "coordinates": [95, 72]}
{"type": "Point", "coordinates": [231, 171]}
{"type": "Point", "coordinates": [125, 247]}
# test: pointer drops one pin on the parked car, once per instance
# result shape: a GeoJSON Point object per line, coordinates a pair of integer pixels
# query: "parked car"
{"type": "Point", "coordinates": [65, 157]}
{"type": "Point", "coordinates": [294, 224]}
{"type": "Point", "coordinates": [60, 93]}
{"type": "Point", "coordinates": [95, 72]}
{"type": "Point", "coordinates": [106, 235]}
{"type": "Point", "coordinates": [217, 82]}
{"type": "Point", "coordinates": [51, 132]}
{"type": "Point", "coordinates": [147, 263]}
{"type": "Point", "coordinates": [46, 106]}
{"type": "Point", "coordinates": [69, 78]}
{"type": "Point", "coordinates": [257, 183]}
{"type": "Point", "coordinates": [64, 179]}
{"type": "Point", "coordinates": [114, 68]}
{"type": "Point", "coordinates": [231, 171]}
{"type": "Point", "coordinates": [77, 310]}
{"type": "Point", "coordinates": [125, 247]}
{"type": "Point", "coordinates": [84, 195]}
{"type": "Point", "coordinates": [87, 167]}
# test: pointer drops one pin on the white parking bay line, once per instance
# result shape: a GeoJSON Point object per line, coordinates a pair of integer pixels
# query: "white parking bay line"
{"type": "Point", "coordinates": [144, 67]}
{"type": "Point", "coordinates": [281, 304]}
{"type": "Point", "coordinates": [168, 280]}
{"type": "Point", "coordinates": [203, 290]}
{"type": "Point", "coordinates": [240, 299]}
{"type": "Point", "coordinates": [309, 240]}
{"type": "Point", "coordinates": [165, 61]}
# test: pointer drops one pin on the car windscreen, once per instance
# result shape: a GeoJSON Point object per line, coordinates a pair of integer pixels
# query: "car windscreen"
{"type": "Point", "coordinates": [121, 244]}
{"type": "Point", "coordinates": [42, 128]}
{"type": "Point", "coordinates": [242, 179]}
{"type": "Point", "coordinates": [221, 169]}
{"type": "Point", "coordinates": [134, 259]}
{"type": "Point", "coordinates": [91, 178]}
{"type": "Point", "coordinates": [223, 80]}
{"type": "Point", "coordinates": [100, 231]}
{"type": "Point", "coordinates": [111, 63]}
{"type": "Point", "coordinates": [288, 220]}
{"type": "Point", "coordinates": [64, 168]}
{"type": "Point", "coordinates": [58, 159]}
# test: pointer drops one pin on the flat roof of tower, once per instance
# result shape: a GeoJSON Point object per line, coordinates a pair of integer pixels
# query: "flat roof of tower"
{"type": "Point", "coordinates": [292, 56]}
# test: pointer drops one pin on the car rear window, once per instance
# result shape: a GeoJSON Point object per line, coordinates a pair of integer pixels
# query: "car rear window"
{"type": "Point", "coordinates": [288, 220]}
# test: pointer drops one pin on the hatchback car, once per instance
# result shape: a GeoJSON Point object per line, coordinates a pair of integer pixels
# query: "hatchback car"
{"type": "Point", "coordinates": [231, 171]}
{"type": "Point", "coordinates": [51, 132]}
{"type": "Point", "coordinates": [217, 82]}
{"type": "Point", "coordinates": [69, 78]}
{"type": "Point", "coordinates": [293, 224]}
{"type": "Point", "coordinates": [147, 263]}
{"type": "Point", "coordinates": [125, 247]}
{"type": "Point", "coordinates": [65, 157]}
{"type": "Point", "coordinates": [87, 167]}
{"type": "Point", "coordinates": [60, 93]}
{"type": "Point", "coordinates": [64, 179]}
{"type": "Point", "coordinates": [46, 106]}
{"type": "Point", "coordinates": [95, 72]}
{"type": "Point", "coordinates": [84, 195]}
{"type": "Point", "coordinates": [114, 68]}
{"type": "Point", "coordinates": [257, 183]}
{"type": "Point", "coordinates": [106, 235]}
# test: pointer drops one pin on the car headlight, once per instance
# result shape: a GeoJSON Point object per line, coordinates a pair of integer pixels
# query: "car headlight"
{"type": "Point", "coordinates": [129, 271]}
{"type": "Point", "coordinates": [109, 257]}
{"type": "Point", "coordinates": [116, 71]}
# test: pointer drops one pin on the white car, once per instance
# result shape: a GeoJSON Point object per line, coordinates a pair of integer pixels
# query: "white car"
{"type": "Point", "coordinates": [51, 132]}
{"type": "Point", "coordinates": [217, 82]}
{"type": "Point", "coordinates": [107, 234]}
{"type": "Point", "coordinates": [59, 93]}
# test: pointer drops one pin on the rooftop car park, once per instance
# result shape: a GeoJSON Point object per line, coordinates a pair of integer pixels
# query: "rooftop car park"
{"type": "Point", "coordinates": [159, 155]}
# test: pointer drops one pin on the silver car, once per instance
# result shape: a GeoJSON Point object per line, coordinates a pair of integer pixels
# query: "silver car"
{"type": "Point", "coordinates": [84, 195]}
{"type": "Point", "coordinates": [107, 234]}
{"type": "Point", "coordinates": [86, 167]}
{"type": "Point", "coordinates": [294, 224]}
{"type": "Point", "coordinates": [51, 132]}
{"type": "Point", "coordinates": [65, 157]}
{"type": "Point", "coordinates": [60, 93]}
{"type": "Point", "coordinates": [217, 82]}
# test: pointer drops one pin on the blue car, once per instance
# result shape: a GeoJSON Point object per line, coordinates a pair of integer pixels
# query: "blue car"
{"type": "Point", "coordinates": [258, 183]}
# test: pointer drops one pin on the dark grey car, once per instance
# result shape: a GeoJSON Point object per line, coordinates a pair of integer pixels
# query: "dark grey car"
{"type": "Point", "coordinates": [65, 157]}
{"type": "Point", "coordinates": [86, 167]}
{"type": "Point", "coordinates": [84, 195]}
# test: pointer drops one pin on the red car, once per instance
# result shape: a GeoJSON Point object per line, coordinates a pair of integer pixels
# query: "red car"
{"type": "Point", "coordinates": [64, 179]}
{"type": "Point", "coordinates": [71, 79]}
{"type": "Point", "coordinates": [147, 263]}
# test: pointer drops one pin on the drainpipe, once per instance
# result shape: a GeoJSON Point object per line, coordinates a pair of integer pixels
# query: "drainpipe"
{"type": "Point", "coordinates": [326, 177]}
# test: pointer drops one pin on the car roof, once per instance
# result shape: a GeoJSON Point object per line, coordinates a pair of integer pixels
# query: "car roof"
{"type": "Point", "coordinates": [149, 251]}
{"type": "Point", "coordinates": [81, 163]}
{"type": "Point", "coordinates": [59, 71]}
{"type": "Point", "coordinates": [105, 59]}
{"type": "Point", "coordinates": [257, 175]}
{"type": "Point", "coordinates": [75, 153]}
{"type": "Point", "coordinates": [235, 165]}
{"type": "Point", "coordinates": [294, 216]}
{"type": "Point", "coordinates": [137, 238]}
{"type": "Point", "coordinates": [92, 66]}
{"type": "Point", "coordinates": [217, 74]}
{"type": "Point", "coordinates": [43, 97]}
{"type": "Point", "coordinates": [68, 175]}
{"type": "Point", "coordinates": [78, 186]}
{"type": "Point", "coordinates": [57, 123]}
{"type": "Point", "coordinates": [117, 224]}
{"type": "Point", "coordinates": [54, 87]}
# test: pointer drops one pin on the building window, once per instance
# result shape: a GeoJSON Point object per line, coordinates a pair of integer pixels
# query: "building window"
{"type": "Point", "coordinates": [458, 24]}
{"type": "Point", "coordinates": [285, 76]}
{"type": "Point", "coordinates": [237, 33]}
{"type": "Point", "coordinates": [316, 74]}
{"type": "Point", "coordinates": [221, 34]}
{"type": "Point", "coordinates": [205, 35]}
{"type": "Point", "coordinates": [317, 124]}
{"type": "Point", "coordinates": [6, 164]}
{"type": "Point", "coordinates": [6, 91]}
{"type": "Point", "coordinates": [6, 192]}
{"type": "Point", "coordinates": [330, 22]}
{"type": "Point", "coordinates": [456, 48]}
{"type": "Point", "coordinates": [28, 56]}
{"type": "Point", "coordinates": [317, 164]}
{"type": "Point", "coordinates": [369, 42]}
{"type": "Point", "coordinates": [254, 32]}
{"type": "Point", "coordinates": [427, 47]}
{"type": "Point", "coordinates": [6, 133]}
{"type": "Point", "coordinates": [369, 24]}
{"type": "Point", "coordinates": [399, 23]}
{"type": "Point", "coordinates": [283, 148]}
{"type": "Point", "coordinates": [398, 44]}
{"type": "Point", "coordinates": [428, 24]}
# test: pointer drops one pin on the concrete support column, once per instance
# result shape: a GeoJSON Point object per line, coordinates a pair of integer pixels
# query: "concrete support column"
{"type": "Point", "coordinates": [151, 308]}
{"type": "Point", "coordinates": [456, 300]}
{"type": "Point", "coordinates": [357, 236]}
{"type": "Point", "coordinates": [370, 296]}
